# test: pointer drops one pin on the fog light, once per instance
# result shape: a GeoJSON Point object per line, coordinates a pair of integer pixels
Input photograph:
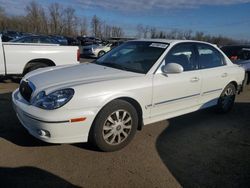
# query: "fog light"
{"type": "Point", "coordinates": [43, 133]}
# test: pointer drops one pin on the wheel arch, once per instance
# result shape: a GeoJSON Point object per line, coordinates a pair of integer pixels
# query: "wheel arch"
{"type": "Point", "coordinates": [40, 60]}
{"type": "Point", "coordinates": [133, 102]}
{"type": "Point", "coordinates": [235, 84]}
{"type": "Point", "coordinates": [138, 108]}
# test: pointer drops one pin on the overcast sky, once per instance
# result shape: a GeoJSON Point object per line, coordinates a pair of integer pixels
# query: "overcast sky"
{"type": "Point", "coordinates": [226, 17]}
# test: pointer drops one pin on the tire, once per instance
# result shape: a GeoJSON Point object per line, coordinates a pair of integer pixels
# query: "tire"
{"type": "Point", "coordinates": [114, 126]}
{"type": "Point", "coordinates": [34, 66]}
{"type": "Point", "coordinates": [246, 80]}
{"type": "Point", "coordinates": [248, 77]}
{"type": "Point", "coordinates": [227, 98]}
{"type": "Point", "coordinates": [101, 53]}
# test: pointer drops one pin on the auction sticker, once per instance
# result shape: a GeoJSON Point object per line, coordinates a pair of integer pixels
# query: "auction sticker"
{"type": "Point", "coordinates": [158, 45]}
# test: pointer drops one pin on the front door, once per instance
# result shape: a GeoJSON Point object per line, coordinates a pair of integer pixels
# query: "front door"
{"type": "Point", "coordinates": [177, 93]}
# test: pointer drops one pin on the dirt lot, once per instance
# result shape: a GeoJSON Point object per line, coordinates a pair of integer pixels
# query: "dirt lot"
{"type": "Point", "coordinates": [201, 149]}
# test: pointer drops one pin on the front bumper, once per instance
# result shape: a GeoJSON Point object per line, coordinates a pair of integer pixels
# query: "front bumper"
{"type": "Point", "coordinates": [53, 126]}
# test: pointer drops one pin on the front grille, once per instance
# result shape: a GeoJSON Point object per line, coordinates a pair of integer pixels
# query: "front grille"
{"type": "Point", "coordinates": [25, 90]}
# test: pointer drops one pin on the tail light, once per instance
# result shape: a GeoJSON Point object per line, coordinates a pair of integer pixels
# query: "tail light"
{"type": "Point", "coordinates": [78, 55]}
{"type": "Point", "coordinates": [234, 58]}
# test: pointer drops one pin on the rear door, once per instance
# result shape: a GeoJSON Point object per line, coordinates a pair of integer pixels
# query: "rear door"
{"type": "Point", "coordinates": [214, 73]}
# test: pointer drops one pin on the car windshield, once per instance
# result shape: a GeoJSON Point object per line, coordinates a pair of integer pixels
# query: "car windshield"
{"type": "Point", "coordinates": [134, 56]}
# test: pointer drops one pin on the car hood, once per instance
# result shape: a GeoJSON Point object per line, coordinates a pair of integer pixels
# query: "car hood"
{"type": "Point", "coordinates": [70, 76]}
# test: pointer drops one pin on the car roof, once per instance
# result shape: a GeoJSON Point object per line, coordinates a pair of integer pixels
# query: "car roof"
{"type": "Point", "coordinates": [169, 41]}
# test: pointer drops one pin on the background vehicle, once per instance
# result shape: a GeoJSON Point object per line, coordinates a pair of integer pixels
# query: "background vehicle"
{"type": "Point", "coordinates": [19, 58]}
{"type": "Point", "coordinates": [85, 41]}
{"type": "Point", "coordinates": [36, 39]}
{"type": "Point", "coordinates": [71, 41]}
{"type": "Point", "coordinates": [135, 84]}
{"type": "Point", "coordinates": [239, 54]}
{"type": "Point", "coordinates": [10, 35]}
{"type": "Point", "coordinates": [99, 50]}
{"type": "Point", "coordinates": [61, 39]}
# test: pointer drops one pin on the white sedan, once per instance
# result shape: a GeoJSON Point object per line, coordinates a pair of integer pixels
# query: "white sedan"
{"type": "Point", "coordinates": [96, 50]}
{"type": "Point", "coordinates": [137, 83]}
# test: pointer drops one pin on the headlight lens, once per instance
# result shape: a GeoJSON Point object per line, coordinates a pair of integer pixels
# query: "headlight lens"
{"type": "Point", "coordinates": [53, 100]}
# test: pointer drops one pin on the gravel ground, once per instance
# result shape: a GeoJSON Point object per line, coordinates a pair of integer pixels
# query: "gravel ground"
{"type": "Point", "coordinates": [201, 149]}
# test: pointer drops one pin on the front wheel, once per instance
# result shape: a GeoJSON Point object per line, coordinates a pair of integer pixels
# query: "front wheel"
{"type": "Point", "coordinates": [115, 126]}
{"type": "Point", "coordinates": [227, 98]}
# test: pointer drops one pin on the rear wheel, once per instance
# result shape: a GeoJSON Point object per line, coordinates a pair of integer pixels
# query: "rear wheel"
{"type": "Point", "coordinates": [115, 126]}
{"type": "Point", "coordinates": [101, 53]}
{"type": "Point", "coordinates": [227, 98]}
{"type": "Point", "coordinates": [34, 66]}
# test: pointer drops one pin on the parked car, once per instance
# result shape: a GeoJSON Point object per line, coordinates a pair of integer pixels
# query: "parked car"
{"type": "Point", "coordinates": [36, 39]}
{"type": "Point", "coordinates": [61, 39]}
{"type": "Point", "coordinates": [98, 50]}
{"type": "Point", "coordinates": [19, 58]}
{"type": "Point", "coordinates": [85, 41]}
{"type": "Point", "coordinates": [71, 41]}
{"type": "Point", "coordinates": [135, 84]}
{"type": "Point", "coordinates": [10, 35]}
{"type": "Point", "coordinates": [239, 54]}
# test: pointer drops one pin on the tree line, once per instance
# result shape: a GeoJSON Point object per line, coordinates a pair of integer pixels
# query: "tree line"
{"type": "Point", "coordinates": [59, 20]}
{"type": "Point", "coordinates": [153, 32]}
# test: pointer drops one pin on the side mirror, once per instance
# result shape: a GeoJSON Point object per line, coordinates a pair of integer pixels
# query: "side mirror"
{"type": "Point", "coordinates": [172, 68]}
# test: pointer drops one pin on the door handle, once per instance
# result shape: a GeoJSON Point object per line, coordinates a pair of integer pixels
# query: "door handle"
{"type": "Point", "coordinates": [194, 79]}
{"type": "Point", "coordinates": [224, 75]}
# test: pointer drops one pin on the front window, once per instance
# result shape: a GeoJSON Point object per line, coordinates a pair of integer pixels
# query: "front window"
{"type": "Point", "coordinates": [184, 55]}
{"type": "Point", "coordinates": [134, 56]}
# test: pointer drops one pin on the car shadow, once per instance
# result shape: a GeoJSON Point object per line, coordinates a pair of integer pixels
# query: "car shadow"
{"type": "Point", "coordinates": [207, 149]}
{"type": "Point", "coordinates": [14, 79]}
{"type": "Point", "coordinates": [10, 127]}
{"type": "Point", "coordinates": [12, 130]}
{"type": "Point", "coordinates": [30, 177]}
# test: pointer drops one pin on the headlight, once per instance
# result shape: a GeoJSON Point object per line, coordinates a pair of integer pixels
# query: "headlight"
{"type": "Point", "coordinates": [53, 100]}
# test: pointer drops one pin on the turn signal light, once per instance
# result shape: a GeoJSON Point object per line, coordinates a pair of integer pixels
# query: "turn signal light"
{"type": "Point", "coordinates": [78, 119]}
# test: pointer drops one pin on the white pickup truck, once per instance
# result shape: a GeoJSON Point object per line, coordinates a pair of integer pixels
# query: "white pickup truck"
{"type": "Point", "coordinates": [19, 58]}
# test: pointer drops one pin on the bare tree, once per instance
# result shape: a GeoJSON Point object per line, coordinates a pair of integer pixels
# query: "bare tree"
{"type": "Point", "coordinates": [199, 35]}
{"type": "Point", "coordinates": [106, 30]}
{"type": "Point", "coordinates": [117, 32]}
{"type": "Point", "coordinates": [2, 18]}
{"type": "Point", "coordinates": [96, 26]}
{"type": "Point", "coordinates": [69, 22]}
{"type": "Point", "coordinates": [140, 30]}
{"type": "Point", "coordinates": [56, 18]}
{"type": "Point", "coordinates": [83, 26]}
{"type": "Point", "coordinates": [162, 35]}
{"type": "Point", "coordinates": [187, 34]}
{"type": "Point", "coordinates": [153, 32]}
{"type": "Point", "coordinates": [36, 18]}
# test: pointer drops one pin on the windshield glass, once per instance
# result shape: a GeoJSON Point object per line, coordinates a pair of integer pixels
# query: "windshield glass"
{"type": "Point", "coordinates": [134, 56]}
